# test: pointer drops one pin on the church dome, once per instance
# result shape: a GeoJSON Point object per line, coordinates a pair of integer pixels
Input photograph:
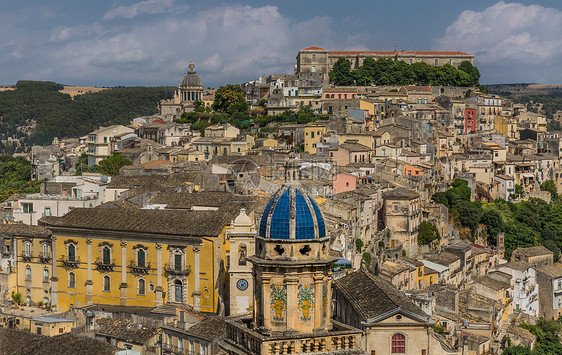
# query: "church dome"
{"type": "Point", "coordinates": [292, 214]}
{"type": "Point", "coordinates": [191, 79]}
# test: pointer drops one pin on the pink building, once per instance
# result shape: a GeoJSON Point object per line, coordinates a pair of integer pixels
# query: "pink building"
{"type": "Point", "coordinates": [343, 182]}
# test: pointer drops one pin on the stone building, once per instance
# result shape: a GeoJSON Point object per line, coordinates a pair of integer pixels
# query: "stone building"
{"type": "Point", "coordinates": [242, 245]}
{"type": "Point", "coordinates": [292, 285]}
{"type": "Point", "coordinates": [402, 216]}
{"type": "Point", "coordinates": [391, 323]}
{"type": "Point", "coordinates": [188, 91]}
{"type": "Point", "coordinates": [320, 60]}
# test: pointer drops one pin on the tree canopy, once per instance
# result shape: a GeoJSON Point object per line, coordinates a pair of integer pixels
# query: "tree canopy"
{"type": "Point", "coordinates": [230, 98]}
{"type": "Point", "coordinates": [389, 72]}
{"type": "Point", "coordinates": [111, 165]}
{"type": "Point", "coordinates": [428, 233]}
{"type": "Point", "coordinates": [15, 177]}
{"type": "Point", "coordinates": [49, 113]}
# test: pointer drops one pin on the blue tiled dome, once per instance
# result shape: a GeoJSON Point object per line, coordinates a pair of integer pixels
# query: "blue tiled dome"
{"type": "Point", "coordinates": [291, 214]}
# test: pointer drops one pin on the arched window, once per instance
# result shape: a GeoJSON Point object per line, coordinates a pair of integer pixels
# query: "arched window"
{"type": "Point", "coordinates": [178, 291]}
{"type": "Point", "coordinates": [71, 280]}
{"type": "Point", "coordinates": [45, 275]}
{"type": "Point", "coordinates": [242, 252]}
{"type": "Point", "coordinates": [27, 273]}
{"type": "Point", "coordinates": [142, 287]}
{"type": "Point", "coordinates": [106, 283]}
{"type": "Point", "coordinates": [71, 252]}
{"type": "Point", "coordinates": [45, 250]}
{"type": "Point", "coordinates": [106, 255]}
{"type": "Point", "coordinates": [398, 344]}
{"type": "Point", "coordinates": [141, 258]}
{"type": "Point", "coordinates": [28, 249]}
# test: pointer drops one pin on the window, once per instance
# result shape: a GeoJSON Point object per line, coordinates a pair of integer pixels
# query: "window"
{"type": "Point", "coordinates": [45, 250]}
{"type": "Point", "coordinates": [105, 139]}
{"type": "Point", "coordinates": [27, 273]}
{"type": "Point", "coordinates": [106, 255]}
{"type": "Point", "coordinates": [45, 275]}
{"type": "Point", "coordinates": [436, 62]}
{"type": "Point", "coordinates": [314, 68]}
{"type": "Point", "coordinates": [314, 57]}
{"type": "Point", "coordinates": [178, 291]}
{"type": "Point", "coordinates": [398, 344]}
{"type": "Point", "coordinates": [27, 207]}
{"type": "Point", "coordinates": [27, 249]}
{"type": "Point", "coordinates": [71, 252]}
{"type": "Point", "coordinates": [311, 134]}
{"type": "Point", "coordinates": [395, 207]}
{"type": "Point", "coordinates": [142, 287]}
{"type": "Point", "coordinates": [47, 211]}
{"type": "Point", "coordinates": [177, 262]}
{"type": "Point", "coordinates": [242, 252]}
{"type": "Point", "coordinates": [451, 61]}
{"type": "Point", "coordinates": [141, 258]}
{"type": "Point", "coordinates": [410, 61]}
{"type": "Point", "coordinates": [330, 62]}
{"type": "Point", "coordinates": [106, 283]}
{"type": "Point", "coordinates": [72, 280]}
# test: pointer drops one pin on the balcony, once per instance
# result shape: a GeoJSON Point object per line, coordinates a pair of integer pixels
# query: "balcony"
{"type": "Point", "coordinates": [175, 270]}
{"type": "Point", "coordinates": [26, 257]}
{"type": "Point", "coordinates": [71, 264]}
{"type": "Point", "coordinates": [172, 349]}
{"type": "Point", "coordinates": [138, 269]}
{"type": "Point", "coordinates": [105, 265]}
{"type": "Point", "coordinates": [45, 259]}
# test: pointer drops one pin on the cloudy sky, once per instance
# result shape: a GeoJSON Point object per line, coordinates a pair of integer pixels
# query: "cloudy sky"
{"type": "Point", "coordinates": [150, 42]}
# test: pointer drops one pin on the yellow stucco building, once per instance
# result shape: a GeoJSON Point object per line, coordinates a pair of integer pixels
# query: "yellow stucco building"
{"type": "Point", "coordinates": [138, 257]}
{"type": "Point", "coordinates": [313, 133]}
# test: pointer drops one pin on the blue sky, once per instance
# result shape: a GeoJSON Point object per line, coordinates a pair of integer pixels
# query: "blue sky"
{"type": "Point", "coordinates": [150, 42]}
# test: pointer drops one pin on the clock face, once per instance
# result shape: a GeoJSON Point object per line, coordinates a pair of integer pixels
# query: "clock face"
{"type": "Point", "coordinates": [242, 284]}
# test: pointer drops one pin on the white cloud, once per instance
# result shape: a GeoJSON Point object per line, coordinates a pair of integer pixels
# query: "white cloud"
{"type": "Point", "coordinates": [509, 36]}
{"type": "Point", "coordinates": [227, 43]}
{"type": "Point", "coordinates": [149, 7]}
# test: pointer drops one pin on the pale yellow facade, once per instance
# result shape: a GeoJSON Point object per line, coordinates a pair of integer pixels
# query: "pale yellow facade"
{"type": "Point", "coordinates": [313, 135]}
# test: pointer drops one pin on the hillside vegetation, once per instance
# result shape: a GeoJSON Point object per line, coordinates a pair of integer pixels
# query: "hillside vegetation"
{"type": "Point", "coordinates": [36, 111]}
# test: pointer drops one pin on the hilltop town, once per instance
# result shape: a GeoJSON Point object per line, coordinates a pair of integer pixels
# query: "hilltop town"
{"type": "Point", "coordinates": [341, 209]}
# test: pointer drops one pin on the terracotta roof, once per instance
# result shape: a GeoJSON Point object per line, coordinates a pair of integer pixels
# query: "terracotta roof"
{"type": "Point", "coordinates": [172, 222]}
{"type": "Point", "coordinates": [222, 200]}
{"type": "Point", "coordinates": [21, 229]}
{"type": "Point", "coordinates": [154, 164]}
{"type": "Point", "coordinates": [125, 329]}
{"type": "Point", "coordinates": [313, 48]}
{"type": "Point", "coordinates": [552, 271]}
{"type": "Point", "coordinates": [16, 342]}
{"type": "Point", "coordinates": [210, 328]}
{"type": "Point", "coordinates": [532, 251]}
{"type": "Point", "coordinates": [400, 193]}
{"type": "Point", "coordinates": [415, 53]}
{"type": "Point", "coordinates": [361, 287]}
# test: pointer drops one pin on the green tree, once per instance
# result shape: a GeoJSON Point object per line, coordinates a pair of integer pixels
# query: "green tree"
{"type": "Point", "coordinates": [340, 74]}
{"type": "Point", "coordinates": [492, 218]}
{"type": "Point", "coordinates": [82, 165]}
{"type": "Point", "coordinates": [227, 96]}
{"type": "Point", "coordinates": [469, 214]}
{"type": "Point", "coordinates": [428, 233]}
{"type": "Point", "coordinates": [471, 70]}
{"type": "Point", "coordinates": [550, 186]}
{"type": "Point", "coordinates": [517, 350]}
{"type": "Point", "coordinates": [358, 244]}
{"type": "Point", "coordinates": [111, 165]}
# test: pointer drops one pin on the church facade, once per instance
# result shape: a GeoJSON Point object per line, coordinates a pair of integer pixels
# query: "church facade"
{"type": "Point", "coordinates": [292, 281]}
{"type": "Point", "coordinates": [188, 91]}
